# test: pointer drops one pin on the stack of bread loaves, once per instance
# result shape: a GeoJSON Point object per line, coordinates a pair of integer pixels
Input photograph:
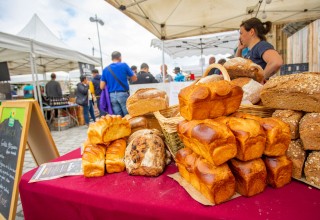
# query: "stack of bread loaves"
{"type": "Point", "coordinates": [223, 153]}
{"type": "Point", "coordinates": [297, 96]}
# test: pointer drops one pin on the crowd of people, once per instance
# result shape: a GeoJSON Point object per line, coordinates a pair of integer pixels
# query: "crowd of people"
{"type": "Point", "coordinates": [116, 77]}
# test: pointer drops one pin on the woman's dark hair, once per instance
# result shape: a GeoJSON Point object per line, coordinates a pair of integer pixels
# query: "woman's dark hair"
{"type": "Point", "coordinates": [82, 78]}
{"type": "Point", "coordinates": [261, 28]}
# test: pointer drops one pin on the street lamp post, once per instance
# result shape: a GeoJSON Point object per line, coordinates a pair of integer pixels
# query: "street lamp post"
{"type": "Point", "coordinates": [92, 46]}
{"type": "Point", "coordinates": [97, 20]}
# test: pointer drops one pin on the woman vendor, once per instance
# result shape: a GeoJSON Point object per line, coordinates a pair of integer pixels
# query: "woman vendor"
{"type": "Point", "coordinates": [252, 35]}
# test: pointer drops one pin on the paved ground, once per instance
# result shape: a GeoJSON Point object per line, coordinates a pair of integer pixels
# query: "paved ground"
{"type": "Point", "coordinates": [65, 141]}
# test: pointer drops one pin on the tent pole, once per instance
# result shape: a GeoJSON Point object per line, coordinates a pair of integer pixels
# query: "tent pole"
{"type": "Point", "coordinates": [33, 77]}
{"type": "Point", "coordinates": [201, 56]}
{"type": "Point", "coordinates": [163, 73]}
{"type": "Point", "coordinates": [38, 92]}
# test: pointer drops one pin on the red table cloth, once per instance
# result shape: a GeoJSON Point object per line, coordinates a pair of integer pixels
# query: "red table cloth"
{"type": "Point", "coordinates": [120, 196]}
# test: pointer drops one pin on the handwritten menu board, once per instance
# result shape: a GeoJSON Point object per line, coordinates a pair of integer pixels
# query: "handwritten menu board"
{"type": "Point", "coordinates": [11, 122]}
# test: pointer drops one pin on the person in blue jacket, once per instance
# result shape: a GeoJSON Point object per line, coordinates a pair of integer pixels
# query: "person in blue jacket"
{"type": "Point", "coordinates": [179, 76]}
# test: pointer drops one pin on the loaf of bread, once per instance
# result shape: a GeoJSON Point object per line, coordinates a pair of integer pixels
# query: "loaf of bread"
{"type": "Point", "coordinates": [277, 133]}
{"type": "Point", "coordinates": [108, 128]}
{"type": "Point", "coordinates": [137, 123]}
{"type": "Point", "coordinates": [93, 160]}
{"type": "Point", "coordinates": [297, 155]}
{"type": "Point", "coordinates": [216, 183]}
{"type": "Point", "coordinates": [290, 117]}
{"type": "Point", "coordinates": [211, 78]}
{"type": "Point", "coordinates": [145, 155]}
{"type": "Point", "coordinates": [209, 100]}
{"type": "Point", "coordinates": [279, 171]}
{"type": "Point", "coordinates": [210, 139]}
{"type": "Point", "coordinates": [241, 67]}
{"type": "Point", "coordinates": [147, 100]}
{"type": "Point", "coordinates": [251, 89]}
{"type": "Point", "coordinates": [309, 129]}
{"type": "Point", "coordinates": [251, 176]}
{"type": "Point", "coordinates": [250, 136]}
{"type": "Point", "coordinates": [115, 156]}
{"type": "Point", "coordinates": [144, 132]}
{"type": "Point", "coordinates": [312, 168]}
{"type": "Point", "coordinates": [299, 92]}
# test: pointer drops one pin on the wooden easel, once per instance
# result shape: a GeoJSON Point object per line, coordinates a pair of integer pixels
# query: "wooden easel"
{"type": "Point", "coordinates": [25, 118]}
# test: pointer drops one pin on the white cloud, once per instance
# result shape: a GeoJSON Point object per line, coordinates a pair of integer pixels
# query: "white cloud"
{"type": "Point", "coordinates": [69, 20]}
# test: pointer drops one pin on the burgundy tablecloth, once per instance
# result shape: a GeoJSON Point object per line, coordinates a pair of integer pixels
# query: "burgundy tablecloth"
{"type": "Point", "coordinates": [120, 196]}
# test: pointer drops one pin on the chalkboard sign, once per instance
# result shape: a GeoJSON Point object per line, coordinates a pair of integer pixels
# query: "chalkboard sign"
{"type": "Point", "coordinates": [13, 121]}
{"type": "Point", "coordinates": [16, 130]}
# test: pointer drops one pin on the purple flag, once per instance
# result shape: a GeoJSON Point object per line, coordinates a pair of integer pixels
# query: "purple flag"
{"type": "Point", "coordinates": [105, 103]}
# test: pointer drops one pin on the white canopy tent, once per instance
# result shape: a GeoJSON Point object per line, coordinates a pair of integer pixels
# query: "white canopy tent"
{"type": "Point", "coordinates": [171, 19]}
{"type": "Point", "coordinates": [37, 50]}
{"type": "Point", "coordinates": [220, 43]}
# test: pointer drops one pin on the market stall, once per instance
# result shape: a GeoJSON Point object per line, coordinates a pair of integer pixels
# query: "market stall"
{"type": "Point", "coordinates": [120, 196]}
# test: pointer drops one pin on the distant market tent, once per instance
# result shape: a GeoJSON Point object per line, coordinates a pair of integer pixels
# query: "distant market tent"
{"type": "Point", "coordinates": [221, 43]}
{"type": "Point", "coordinates": [172, 19]}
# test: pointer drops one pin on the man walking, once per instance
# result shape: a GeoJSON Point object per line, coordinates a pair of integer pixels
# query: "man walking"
{"type": "Point", "coordinates": [144, 76]}
{"type": "Point", "coordinates": [115, 75]}
{"type": "Point", "coordinates": [159, 77]}
{"type": "Point", "coordinates": [53, 88]}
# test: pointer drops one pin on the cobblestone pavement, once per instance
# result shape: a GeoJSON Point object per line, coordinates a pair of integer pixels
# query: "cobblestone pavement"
{"type": "Point", "coordinates": [65, 141]}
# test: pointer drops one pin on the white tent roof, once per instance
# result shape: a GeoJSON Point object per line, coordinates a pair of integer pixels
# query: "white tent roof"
{"type": "Point", "coordinates": [171, 19]}
{"type": "Point", "coordinates": [221, 43]}
{"type": "Point", "coordinates": [49, 52]}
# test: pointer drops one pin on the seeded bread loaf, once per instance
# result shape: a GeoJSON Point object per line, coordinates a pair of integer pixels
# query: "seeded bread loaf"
{"type": "Point", "coordinates": [299, 92]}
{"type": "Point", "coordinates": [310, 131]}
{"type": "Point", "coordinates": [292, 118]}
{"type": "Point", "coordinates": [297, 155]}
{"type": "Point", "coordinates": [312, 168]}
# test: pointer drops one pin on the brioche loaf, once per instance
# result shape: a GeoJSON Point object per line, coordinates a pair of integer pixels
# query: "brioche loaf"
{"type": "Point", "coordinates": [137, 123]}
{"type": "Point", "coordinates": [216, 183]}
{"type": "Point", "coordinates": [240, 67]}
{"type": "Point", "coordinates": [147, 100]}
{"type": "Point", "coordinates": [211, 78]}
{"type": "Point", "coordinates": [250, 136]}
{"type": "Point", "coordinates": [297, 155]}
{"type": "Point", "coordinates": [309, 129]}
{"type": "Point", "coordinates": [279, 171]}
{"type": "Point", "coordinates": [277, 133]}
{"type": "Point", "coordinates": [209, 100]}
{"type": "Point", "coordinates": [211, 139]}
{"type": "Point", "coordinates": [108, 128]}
{"type": "Point", "coordinates": [145, 155]}
{"type": "Point", "coordinates": [251, 176]}
{"type": "Point", "coordinates": [290, 117]}
{"type": "Point", "coordinates": [115, 156]}
{"type": "Point", "coordinates": [312, 168]}
{"type": "Point", "coordinates": [93, 160]}
{"type": "Point", "coordinates": [251, 89]}
{"type": "Point", "coordinates": [299, 92]}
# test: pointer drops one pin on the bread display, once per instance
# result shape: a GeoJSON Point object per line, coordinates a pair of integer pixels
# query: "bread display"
{"type": "Point", "coordinates": [277, 133]}
{"type": "Point", "coordinates": [251, 89]}
{"type": "Point", "coordinates": [210, 139]}
{"type": "Point", "coordinates": [209, 100]}
{"type": "Point", "coordinates": [299, 92]}
{"type": "Point", "coordinates": [216, 183]}
{"type": "Point", "coordinates": [241, 67]}
{"type": "Point", "coordinates": [290, 117]}
{"type": "Point", "coordinates": [297, 155]}
{"type": "Point", "coordinates": [309, 129]}
{"type": "Point", "coordinates": [108, 128]}
{"type": "Point", "coordinates": [251, 176]}
{"type": "Point", "coordinates": [93, 160]}
{"type": "Point", "coordinates": [250, 136]}
{"type": "Point", "coordinates": [147, 100]}
{"type": "Point", "coordinates": [312, 168]}
{"type": "Point", "coordinates": [279, 171]}
{"type": "Point", "coordinates": [145, 155]}
{"type": "Point", "coordinates": [115, 156]}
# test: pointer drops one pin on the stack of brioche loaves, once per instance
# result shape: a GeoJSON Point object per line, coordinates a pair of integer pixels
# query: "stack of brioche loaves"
{"type": "Point", "coordinates": [115, 143]}
{"type": "Point", "coordinates": [227, 151]}
{"type": "Point", "coordinates": [297, 98]}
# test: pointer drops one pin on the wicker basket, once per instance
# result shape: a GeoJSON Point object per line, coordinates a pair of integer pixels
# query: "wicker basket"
{"type": "Point", "coordinates": [257, 110]}
{"type": "Point", "coordinates": [168, 121]}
